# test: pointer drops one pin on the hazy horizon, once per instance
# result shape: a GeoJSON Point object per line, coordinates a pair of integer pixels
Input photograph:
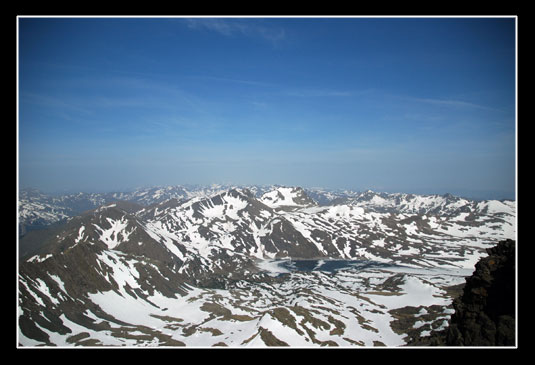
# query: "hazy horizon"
{"type": "Point", "coordinates": [416, 105]}
{"type": "Point", "coordinates": [470, 194]}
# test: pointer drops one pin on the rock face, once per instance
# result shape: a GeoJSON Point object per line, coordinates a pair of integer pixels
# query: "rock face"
{"type": "Point", "coordinates": [485, 312]}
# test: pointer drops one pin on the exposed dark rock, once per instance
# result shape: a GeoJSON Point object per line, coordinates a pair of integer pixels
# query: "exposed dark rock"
{"type": "Point", "coordinates": [485, 313]}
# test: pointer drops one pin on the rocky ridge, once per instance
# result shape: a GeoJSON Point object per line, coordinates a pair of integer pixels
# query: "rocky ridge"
{"type": "Point", "coordinates": [485, 313]}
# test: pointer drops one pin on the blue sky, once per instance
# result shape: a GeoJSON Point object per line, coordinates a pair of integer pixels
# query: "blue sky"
{"type": "Point", "coordinates": [422, 105]}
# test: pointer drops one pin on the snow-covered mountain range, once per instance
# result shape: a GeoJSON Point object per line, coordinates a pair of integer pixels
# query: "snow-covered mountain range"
{"type": "Point", "coordinates": [202, 266]}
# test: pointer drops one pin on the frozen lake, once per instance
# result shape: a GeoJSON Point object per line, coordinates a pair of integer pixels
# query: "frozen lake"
{"type": "Point", "coordinates": [327, 265]}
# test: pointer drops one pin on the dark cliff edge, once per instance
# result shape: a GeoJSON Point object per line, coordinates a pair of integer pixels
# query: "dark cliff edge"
{"type": "Point", "coordinates": [485, 313]}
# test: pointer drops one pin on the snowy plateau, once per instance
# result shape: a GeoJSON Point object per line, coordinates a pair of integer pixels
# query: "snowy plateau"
{"type": "Point", "coordinates": [249, 266]}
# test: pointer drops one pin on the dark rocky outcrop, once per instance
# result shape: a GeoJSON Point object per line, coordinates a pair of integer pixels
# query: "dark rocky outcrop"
{"type": "Point", "coordinates": [485, 313]}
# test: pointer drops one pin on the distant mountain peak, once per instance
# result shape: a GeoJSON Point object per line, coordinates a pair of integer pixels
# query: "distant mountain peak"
{"type": "Point", "coordinates": [287, 197]}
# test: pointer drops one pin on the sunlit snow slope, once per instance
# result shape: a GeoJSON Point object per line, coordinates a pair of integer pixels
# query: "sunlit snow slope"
{"type": "Point", "coordinates": [202, 268]}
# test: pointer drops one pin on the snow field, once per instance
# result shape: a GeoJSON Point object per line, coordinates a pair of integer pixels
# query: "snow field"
{"type": "Point", "coordinates": [351, 306]}
{"type": "Point", "coordinates": [273, 198]}
{"type": "Point", "coordinates": [344, 308]}
{"type": "Point", "coordinates": [114, 235]}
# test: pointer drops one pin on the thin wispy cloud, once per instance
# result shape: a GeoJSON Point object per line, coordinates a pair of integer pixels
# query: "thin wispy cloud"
{"type": "Point", "coordinates": [231, 27]}
{"type": "Point", "coordinates": [451, 103]}
{"type": "Point", "coordinates": [307, 93]}
{"type": "Point", "coordinates": [234, 81]}
{"type": "Point", "coordinates": [259, 104]}
{"type": "Point", "coordinates": [54, 102]}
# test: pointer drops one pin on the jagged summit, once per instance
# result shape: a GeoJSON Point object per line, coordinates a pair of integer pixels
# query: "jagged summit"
{"type": "Point", "coordinates": [287, 197]}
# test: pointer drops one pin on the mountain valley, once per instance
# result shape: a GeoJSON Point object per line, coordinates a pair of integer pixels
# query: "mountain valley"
{"type": "Point", "coordinates": [246, 266]}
